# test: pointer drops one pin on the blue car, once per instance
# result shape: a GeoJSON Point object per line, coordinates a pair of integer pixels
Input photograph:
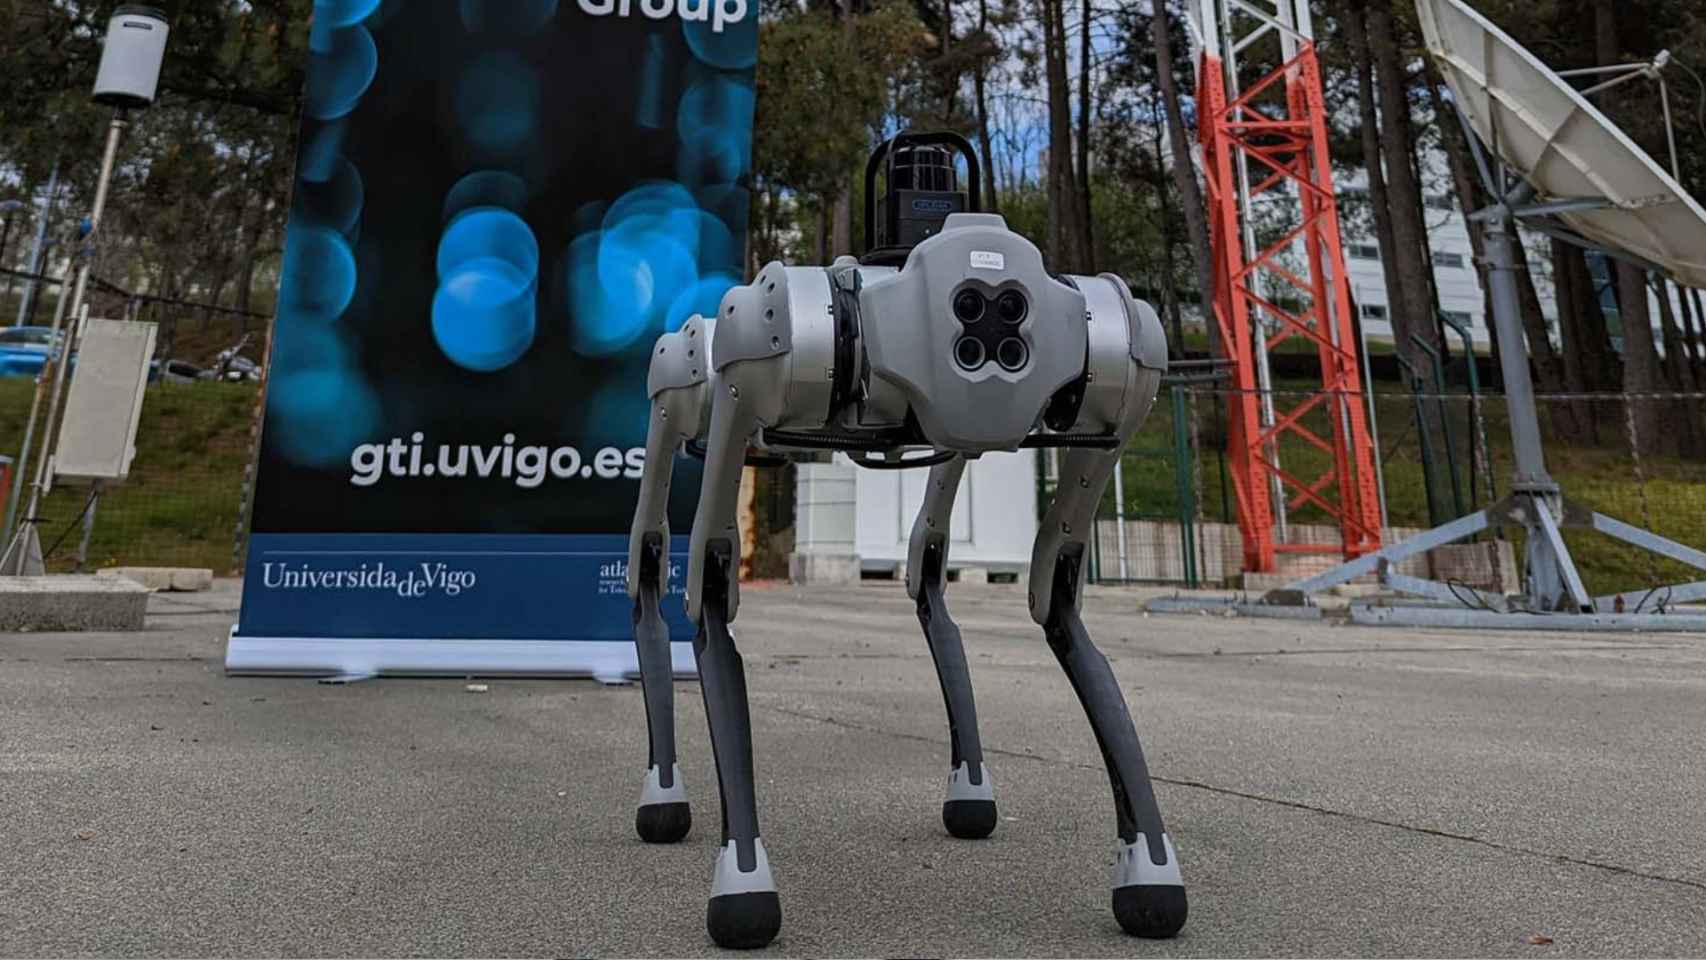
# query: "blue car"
{"type": "Point", "coordinates": [24, 350]}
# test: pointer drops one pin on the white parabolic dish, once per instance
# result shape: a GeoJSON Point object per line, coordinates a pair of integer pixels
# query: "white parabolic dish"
{"type": "Point", "coordinates": [1562, 145]}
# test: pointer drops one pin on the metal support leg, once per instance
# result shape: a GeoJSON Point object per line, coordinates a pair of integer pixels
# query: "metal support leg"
{"type": "Point", "coordinates": [1421, 543]}
{"type": "Point", "coordinates": [968, 811]}
{"type": "Point", "coordinates": [1662, 546]}
{"type": "Point", "coordinates": [1553, 578]}
{"type": "Point", "coordinates": [1149, 893]}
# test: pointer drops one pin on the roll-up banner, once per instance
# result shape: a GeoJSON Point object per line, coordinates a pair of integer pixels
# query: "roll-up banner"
{"type": "Point", "coordinates": [498, 206]}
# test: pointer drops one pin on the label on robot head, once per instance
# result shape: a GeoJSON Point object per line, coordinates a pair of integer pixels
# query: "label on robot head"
{"type": "Point", "coordinates": [720, 12]}
{"type": "Point", "coordinates": [988, 260]}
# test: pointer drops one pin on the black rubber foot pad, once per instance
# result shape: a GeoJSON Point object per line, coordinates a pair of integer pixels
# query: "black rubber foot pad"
{"type": "Point", "coordinates": [663, 822]}
{"type": "Point", "coordinates": [744, 921]}
{"type": "Point", "coordinates": [969, 819]}
{"type": "Point", "coordinates": [1150, 911]}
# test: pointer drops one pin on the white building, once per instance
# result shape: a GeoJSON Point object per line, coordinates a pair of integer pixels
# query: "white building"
{"type": "Point", "coordinates": [1455, 274]}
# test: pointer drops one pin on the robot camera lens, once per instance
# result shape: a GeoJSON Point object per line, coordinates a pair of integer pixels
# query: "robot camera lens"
{"type": "Point", "coordinates": [968, 306]}
{"type": "Point", "coordinates": [1010, 306]}
{"type": "Point", "coordinates": [968, 353]}
{"type": "Point", "coordinates": [1012, 354]}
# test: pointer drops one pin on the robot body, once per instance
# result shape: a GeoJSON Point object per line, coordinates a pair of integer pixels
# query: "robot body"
{"type": "Point", "coordinates": [960, 345]}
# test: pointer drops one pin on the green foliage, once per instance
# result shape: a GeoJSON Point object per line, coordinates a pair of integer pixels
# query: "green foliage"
{"type": "Point", "coordinates": [824, 88]}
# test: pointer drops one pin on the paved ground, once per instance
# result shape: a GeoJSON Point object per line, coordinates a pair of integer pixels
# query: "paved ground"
{"type": "Point", "coordinates": [1332, 790]}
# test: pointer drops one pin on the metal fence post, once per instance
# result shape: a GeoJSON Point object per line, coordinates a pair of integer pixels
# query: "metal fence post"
{"type": "Point", "coordinates": [1182, 480]}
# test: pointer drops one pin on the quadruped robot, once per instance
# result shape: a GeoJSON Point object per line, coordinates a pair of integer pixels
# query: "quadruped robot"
{"type": "Point", "coordinates": [948, 339]}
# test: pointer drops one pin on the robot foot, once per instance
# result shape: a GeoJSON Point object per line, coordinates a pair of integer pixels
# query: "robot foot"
{"type": "Point", "coordinates": [1149, 898]}
{"type": "Point", "coordinates": [969, 810]}
{"type": "Point", "coordinates": [744, 912]}
{"type": "Point", "coordinates": [664, 815]}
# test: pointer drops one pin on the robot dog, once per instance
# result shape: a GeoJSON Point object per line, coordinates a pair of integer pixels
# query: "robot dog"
{"type": "Point", "coordinates": [949, 340]}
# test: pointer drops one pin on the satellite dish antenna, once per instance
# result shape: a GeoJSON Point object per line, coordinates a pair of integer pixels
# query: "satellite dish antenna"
{"type": "Point", "coordinates": [1555, 163]}
{"type": "Point", "coordinates": [1552, 137]}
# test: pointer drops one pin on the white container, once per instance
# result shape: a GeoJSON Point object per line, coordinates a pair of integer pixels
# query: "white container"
{"type": "Point", "coordinates": [131, 57]}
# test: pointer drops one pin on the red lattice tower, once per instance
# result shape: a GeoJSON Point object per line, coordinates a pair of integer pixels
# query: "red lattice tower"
{"type": "Point", "coordinates": [1267, 145]}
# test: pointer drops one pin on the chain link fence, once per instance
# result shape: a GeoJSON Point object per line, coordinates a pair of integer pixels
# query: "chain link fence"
{"type": "Point", "coordinates": [182, 503]}
{"type": "Point", "coordinates": [1640, 459]}
{"type": "Point", "coordinates": [1168, 518]}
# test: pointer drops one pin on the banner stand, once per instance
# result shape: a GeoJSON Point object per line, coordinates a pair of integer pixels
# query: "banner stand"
{"type": "Point", "coordinates": [498, 208]}
{"type": "Point", "coordinates": [607, 661]}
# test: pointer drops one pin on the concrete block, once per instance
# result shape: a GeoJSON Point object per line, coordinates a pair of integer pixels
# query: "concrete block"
{"type": "Point", "coordinates": [180, 579]}
{"type": "Point", "coordinates": [974, 575]}
{"type": "Point", "coordinates": [70, 603]}
{"type": "Point", "coordinates": [191, 579]}
{"type": "Point", "coordinates": [1285, 598]}
{"type": "Point", "coordinates": [823, 568]}
{"type": "Point", "coordinates": [1263, 582]}
{"type": "Point", "coordinates": [1489, 565]}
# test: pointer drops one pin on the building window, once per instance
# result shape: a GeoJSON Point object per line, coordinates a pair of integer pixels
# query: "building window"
{"type": "Point", "coordinates": [1462, 317]}
{"type": "Point", "coordinates": [1448, 260]}
{"type": "Point", "coordinates": [1364, 251]}
{"type": "Point", "coordinates": [1374, 311]}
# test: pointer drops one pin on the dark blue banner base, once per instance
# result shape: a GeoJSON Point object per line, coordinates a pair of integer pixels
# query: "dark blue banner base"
{"type": "Point", "coordinates": [445, 605]}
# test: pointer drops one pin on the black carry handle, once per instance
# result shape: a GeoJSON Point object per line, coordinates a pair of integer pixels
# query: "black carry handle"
{"type": "Point", "coordinates": [888, 147]}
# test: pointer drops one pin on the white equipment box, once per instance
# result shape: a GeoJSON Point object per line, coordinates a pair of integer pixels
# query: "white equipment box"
{"type": "Point", "coordinates": [97, 439]}
{"type": "Point", "coordinates": [850, 520]}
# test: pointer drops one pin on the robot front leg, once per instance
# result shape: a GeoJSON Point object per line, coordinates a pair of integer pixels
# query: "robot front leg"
{"type": "Point", "coordinates": [968, 811]}
{"type": "Point", "coordinates": [677, 387]}
{"type": "Point", "coordinates": [663, 814]}
{"type": "Point", "coordinates": [1149, 893]}
{"type": "Point", "coordinates": [744, 909]}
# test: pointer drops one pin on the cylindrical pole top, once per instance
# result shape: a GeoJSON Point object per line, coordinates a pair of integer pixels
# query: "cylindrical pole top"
{"type": "Point", "coordinates": [131, 56]}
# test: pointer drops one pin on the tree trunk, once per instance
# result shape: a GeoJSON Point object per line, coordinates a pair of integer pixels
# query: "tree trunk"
{"type": "Point", "coordinates": [991, 200]}
{"type": "Point", "coordinates": [1640, 355]}
{"type": "Point", "coordinates": [1086, 234]}
{"type": "Point", "coordinates": [841, 228]}
{"type": "Point", "coordinates": [824, 229]}
{"type": "Point", "coordinates": [1697, 346]}
{"type": "Point", "coordinates": [1184, 170]}
{"type": "Point", "coordinates": [1685, 416]}
{"type": "Point", "coordinates": [1169, 292]}
{"type": "Point", "coordinates": [841, 242]}
{"type": "Point", "coordinates": [1356, 33]}
{"type": "Point", "coordinates": [950, 81]}
{"type": "Point", "coordinates": [1403, 194]}
{"type": "Point", "coordinates": [1064, 231]}
{"type": "Point", "coordinates": [1572, 369]}
{"type": "Point", "coordinates": [1605, 366]}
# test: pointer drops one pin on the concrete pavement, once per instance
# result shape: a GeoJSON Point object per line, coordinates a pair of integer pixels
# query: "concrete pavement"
{"type": "Point", "coordinates": [1332, 791]}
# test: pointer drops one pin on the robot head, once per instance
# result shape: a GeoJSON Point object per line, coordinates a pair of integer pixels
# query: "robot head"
{"type": "Point", "coordinates": [975, 333]}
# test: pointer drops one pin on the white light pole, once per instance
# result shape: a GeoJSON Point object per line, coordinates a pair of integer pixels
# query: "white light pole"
{"type": "Point", "coordinates": [39, 248]}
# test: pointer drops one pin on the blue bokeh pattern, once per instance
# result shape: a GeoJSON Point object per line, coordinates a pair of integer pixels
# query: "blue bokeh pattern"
{"type": "Point", "coordinates": [619, 271]}
{"type": "Point", "coordinates": [484, 313]}
{"type": "Point", "coordinates": [320, 403]}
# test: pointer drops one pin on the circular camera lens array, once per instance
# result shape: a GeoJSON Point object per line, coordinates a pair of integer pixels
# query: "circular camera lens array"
{"type": "Point", "coordinates": [980, 342]}
{"type": "Point", "coordinates": [1011, 307]}
{"type": "Point", "coordinates": [968, 306]}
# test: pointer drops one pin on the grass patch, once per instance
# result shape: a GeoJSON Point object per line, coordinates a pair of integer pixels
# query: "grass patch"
{"type": "Point", "coordinates": [179, 507]}
{"type": "Point", "coordinates": [1666, 495]}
